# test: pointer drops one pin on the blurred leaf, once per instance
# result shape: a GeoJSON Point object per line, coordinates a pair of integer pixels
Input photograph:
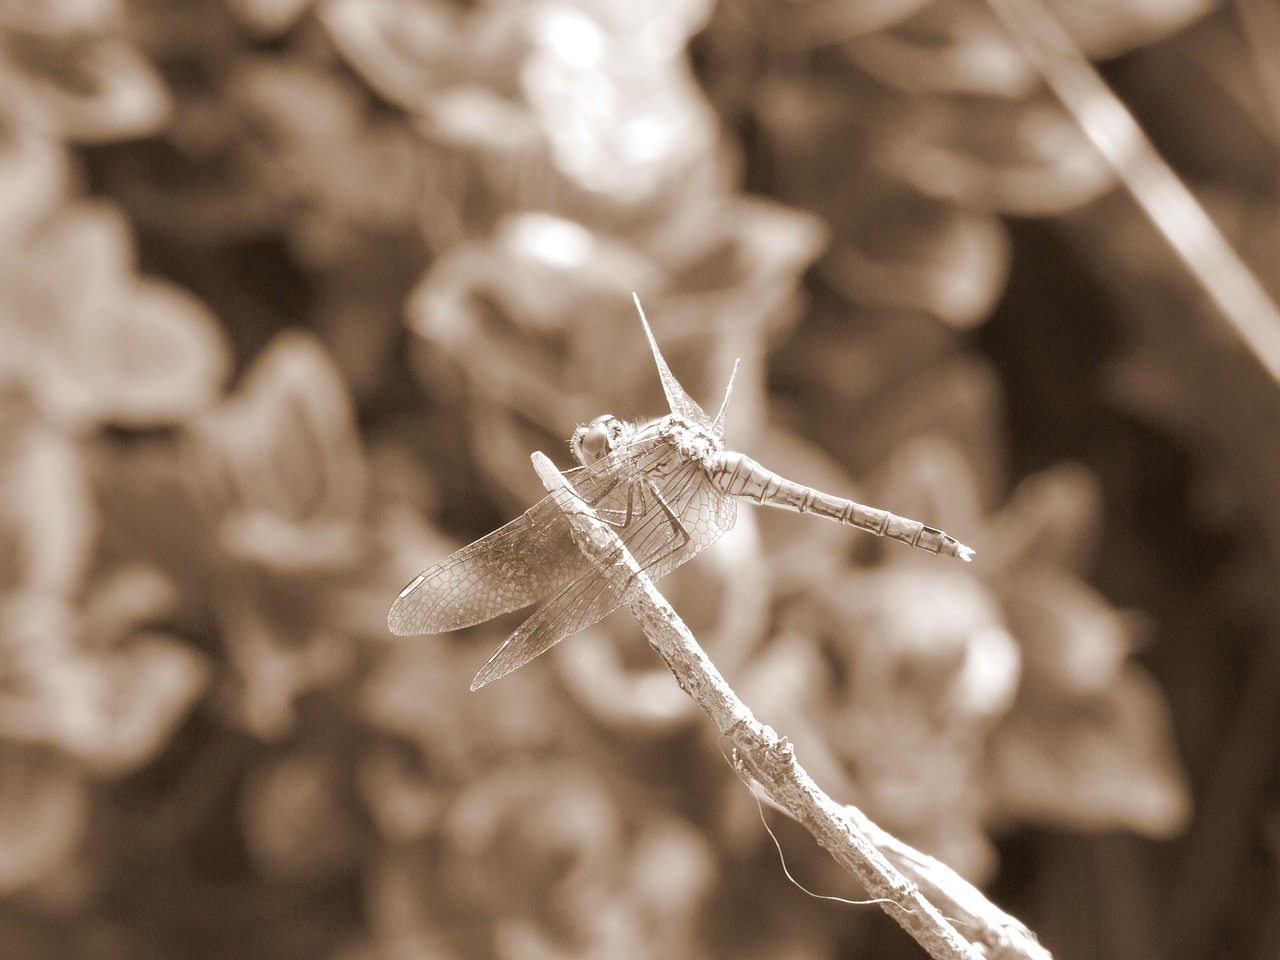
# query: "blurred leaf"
{"type": "Point", "coordinates": [1053, 517]}
{"type": "Point", "coordinates": [948, 262]}
{"type": "Point", "coordinates": [155, 358]}
{"type": "Point", "coordinates": [949, 46]}
{"type": "Point", "coordinates": [43, 813]}
{"type": "Point", "coordinates": [891, 692]}
{"type": "Point", "coordinates": [99, 344]}
{"type": "Point", "coordinates": [99, 686]}
{"type": "Point", "coordinates": [1101, 763]}
{"type": "Point", "coordinates": [1027, 159]}
{"type": "Point", "coordinates": [1073, 641]}
{"type": "Point", "coordinates": [59, 16]}
{"type": "Point", "coordinates": [47, 514]}
{"type": "Point", "coordinates": [402, 800]}
{"type": "Point", "coordinates": [82, 86]}
{"type": "Point", "coordinates": [276, 663]}
{"type": "Point", "coordinates": [1107, 30]}
{"type": "Point", "coordinates": [295, 823]}
{"type": "Point", "coordinates": [33, 176]}
{"type": "Point", "coordinates": [270, 17]}
{"type": "Point", "coordinates": [280, 466]}
{"type": "Point", "coordinates": [146, 690]}
{"type": "Point", "coordinates": [589, 867]}
{"type": "Point", "coordinates": [408, 50]}
{"type": "Point", "coordinates": [337, 172]}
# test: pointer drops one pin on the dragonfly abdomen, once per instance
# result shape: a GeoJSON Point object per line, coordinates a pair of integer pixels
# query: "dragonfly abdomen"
{"type": "Point", "coordinates": [737, 475]}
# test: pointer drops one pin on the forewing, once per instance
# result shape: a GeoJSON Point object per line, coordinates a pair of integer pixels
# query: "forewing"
{"type": "Point", "coordinates": [513, 567]}
{"type": "Point", "coordinates": [682, 405]}
{"type": "Point", "coordinates": [704, 513]}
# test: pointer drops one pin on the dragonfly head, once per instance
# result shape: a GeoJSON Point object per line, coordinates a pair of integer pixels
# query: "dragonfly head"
{"type": "Point", "coordinates": [597, 439]}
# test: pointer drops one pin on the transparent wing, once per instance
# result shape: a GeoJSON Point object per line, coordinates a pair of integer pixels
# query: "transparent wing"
{"type": "Point", "coordinates": [658, 545]}
{"type": "Point", "coordinates": [514, 566]}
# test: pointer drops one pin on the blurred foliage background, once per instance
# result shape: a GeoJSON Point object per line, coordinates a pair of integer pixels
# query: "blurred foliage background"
{"type": "Point", "coordinates": [289, 290]}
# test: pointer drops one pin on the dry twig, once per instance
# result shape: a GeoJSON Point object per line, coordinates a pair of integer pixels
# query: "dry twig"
{"type": "Point", "coordinates": [768, 758]}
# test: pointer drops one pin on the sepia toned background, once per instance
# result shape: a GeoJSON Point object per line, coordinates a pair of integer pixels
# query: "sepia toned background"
{"type": "Point", "coordinates": [290, 290]}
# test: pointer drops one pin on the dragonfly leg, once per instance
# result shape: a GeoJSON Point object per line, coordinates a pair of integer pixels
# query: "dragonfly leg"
{"type": "Point", "coordinates": [676, 525]}
{"type": "Point", "coordinates": [610, 515]}
{"type": "Point", "coordinates": [636, 505]}
{"type": "Point", "coordinates": [682, 536]}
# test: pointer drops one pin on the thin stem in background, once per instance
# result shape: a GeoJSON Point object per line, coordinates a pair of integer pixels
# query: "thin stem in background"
{"type": "Point", "coordinates": [1260, 22]}
{"type": "Point", "coordinates": [1163, 197]}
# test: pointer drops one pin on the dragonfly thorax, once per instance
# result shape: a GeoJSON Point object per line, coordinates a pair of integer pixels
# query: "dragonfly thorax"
{"type": "Point", "coordinates": [692, 440]}
{"type": "Point", "coordinates": [606, 434]}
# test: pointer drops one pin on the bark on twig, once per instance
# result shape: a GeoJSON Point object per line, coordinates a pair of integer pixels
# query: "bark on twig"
{"type": "Point", "coordinates": [770, 759]}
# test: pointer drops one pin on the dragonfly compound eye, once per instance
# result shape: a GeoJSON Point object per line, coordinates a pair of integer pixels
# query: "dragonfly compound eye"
{"type": "Point", "coordinates": [594, 441]}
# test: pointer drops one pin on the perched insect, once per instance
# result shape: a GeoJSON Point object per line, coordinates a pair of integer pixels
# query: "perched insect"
{"type": "Point", "coordinates": [668, 486]}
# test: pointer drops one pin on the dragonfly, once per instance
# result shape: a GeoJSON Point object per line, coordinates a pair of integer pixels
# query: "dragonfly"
{"type": "Point", "coordinates": [668, 486]}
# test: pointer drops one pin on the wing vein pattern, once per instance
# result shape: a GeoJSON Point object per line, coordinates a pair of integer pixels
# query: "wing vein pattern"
{"type": "Point", "coordinates": [533, 557]}
{"type": "Point", "coordinates": [704, 513]}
